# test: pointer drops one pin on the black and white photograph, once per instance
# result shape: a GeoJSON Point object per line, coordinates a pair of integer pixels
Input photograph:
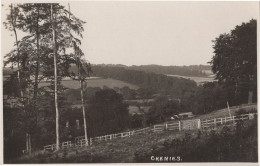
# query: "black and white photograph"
{"type": "Point", "coordinates": [129, 82]}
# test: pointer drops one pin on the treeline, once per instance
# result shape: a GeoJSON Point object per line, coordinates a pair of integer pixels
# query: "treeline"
{"type": "Point", "coordinates": [213, 96]}
{"type": "Point", "coordinates": [156, 82]}
{"type": "Point", "coordinates": [174, 70]}
{"type": "Point", "coordinates": [192, 70]}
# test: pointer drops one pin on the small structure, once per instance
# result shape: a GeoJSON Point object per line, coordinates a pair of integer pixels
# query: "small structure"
{"type": "Point", "coordinates": [175, 117]}
{"type": "Point", "coordinates": [186, 115]}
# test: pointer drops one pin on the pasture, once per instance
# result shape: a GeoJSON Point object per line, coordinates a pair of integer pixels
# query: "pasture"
{"type": "Point", "coordinates": [224, 112]}
{"type": "Point", "coordinates": [95, 82]}
{"type": "Point", "coordinates": [198, 80]}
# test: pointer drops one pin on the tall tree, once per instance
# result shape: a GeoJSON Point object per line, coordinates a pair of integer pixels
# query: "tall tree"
{"type": "Point", "coordinates": [65, 27]}
{"type": "Point", "coordinates": [15, 58]}
{"type": "Point", "coordinates": [55, 78]}
{"type": "Point", "coordinates": [84, 70]}
{"type": "Point", "coordinates": [235, 59]}
{"type": "Point", "coordinates": [44, 44]}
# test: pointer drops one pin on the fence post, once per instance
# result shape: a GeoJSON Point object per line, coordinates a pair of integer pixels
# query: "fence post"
{"type": "Point", "coordinates": [110, 136]}
{"type": "Point", "coordinates": [221, 122]}
{"type": "Point", "coordinates": [122, 135]}
{"type": "Point", "coordinates": [105, 138]}
{"type": "Point", "coordinates": [153, 128]}
{"type": "Point", "coordinates": [166, 126]}
{"type": "Point", "coordinates": [179, 125]}
{"type": "Point", "coordinates": [199, 124]}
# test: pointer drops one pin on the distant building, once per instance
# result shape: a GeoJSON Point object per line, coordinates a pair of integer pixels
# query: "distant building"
{"type": "Point", "coordinates": [186, 115]}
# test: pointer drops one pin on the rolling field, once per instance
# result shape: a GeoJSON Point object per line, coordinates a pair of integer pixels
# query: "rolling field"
{"type": "Point", "coordinates": [224, 112]}
{"type": "Point", "coordinates": [198, 80]}
{"type": "Point", "coordinates": [125, 150]}
{"type": "Point", "coordinates": [95, 82]}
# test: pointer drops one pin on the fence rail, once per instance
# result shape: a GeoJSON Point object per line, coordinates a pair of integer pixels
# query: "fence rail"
{"type": "Point", "coordinates": [170, 126]}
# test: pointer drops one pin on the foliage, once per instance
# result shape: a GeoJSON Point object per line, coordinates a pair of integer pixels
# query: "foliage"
{"type": "Point", "coordinates": [192, 70]}
{"type": "Point", "coordinates": [162, 108]}
{"type": "Point", "coordinates": [155, 82]}
{"type": "Point", "coordinates": [235, 59]}
{"type": "Point", "coordinates": [107, 113]}
{"type": "Point", "coordinates": [226, 146]}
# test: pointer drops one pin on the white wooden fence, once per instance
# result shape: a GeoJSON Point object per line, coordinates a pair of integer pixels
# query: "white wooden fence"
{"type": "Point", "coordinates": [170, 126]}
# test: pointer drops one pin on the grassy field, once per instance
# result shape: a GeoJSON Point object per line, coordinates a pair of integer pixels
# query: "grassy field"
{"type": "Point", "coordinates": [123, 150]}
{"type": "Point", "coordinates": [118, 150]}
{"type": "Point", "coordinates": [198, 80]}
{"type": "Point", "coordinates": [97, 82]}
{"type": "Point", "coordinates": [224, 112]}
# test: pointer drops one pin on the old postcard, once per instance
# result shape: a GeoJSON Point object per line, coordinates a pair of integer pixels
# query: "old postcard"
{"type": "Point", "coordinates": [129, 82]}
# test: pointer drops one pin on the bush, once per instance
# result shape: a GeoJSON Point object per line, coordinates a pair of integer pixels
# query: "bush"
{"type": "Point", "coordinates": [225, 146]}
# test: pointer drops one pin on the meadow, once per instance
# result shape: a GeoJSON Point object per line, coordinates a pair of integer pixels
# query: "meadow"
{"type": "Point", "coordinates": [222, 144]}
{"type": "Point", "coordinates": [198, 80]}
{"type": "Point", "coordinates": [94, 82]}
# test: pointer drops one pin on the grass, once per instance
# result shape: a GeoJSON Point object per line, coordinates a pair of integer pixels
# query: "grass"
{"type": "Point", "coordinates": [118, 150]}
{"type": "Point", "coordinates": [224, 112]}
{"type": "Point", "coordinates": [99, 82]}
{"type": "Point", "coordinates": [198, 80]}
{"type": "Point", "coordinates": [122, 149]}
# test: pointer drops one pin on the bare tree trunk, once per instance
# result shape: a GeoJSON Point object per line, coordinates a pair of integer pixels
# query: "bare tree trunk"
{"type": "Point", "coordinates": [82, 94]}
{"type": "Point", "coordinates": [27, 142]}
{"type": "Point", "coordinates": [18, 72]}
{"type": "Point", "coordinates": [81, 91]}
{"type": "Point", "coordinates": [55, 80]}
{"type": "Point", "coordinates": [35, 93]}
{"type": "Point", "coordinates": [83, 110]}
{"type": "Point", "coordinates": [250, 97]}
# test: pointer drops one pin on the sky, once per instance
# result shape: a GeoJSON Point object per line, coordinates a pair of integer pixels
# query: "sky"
{"type": "Point", "coordinates": [140, 33]}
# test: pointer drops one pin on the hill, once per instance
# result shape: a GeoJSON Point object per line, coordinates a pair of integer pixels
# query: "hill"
{"type": "Point", "coordinates": [198, 80]}
{"type": "Point", "coordinates": [233, 143]}
{"type": "Point", "coordinates": [192, 70]}
{"type": "Point", "coordinates": [97, 82]}
{"type": "Point", "coordinates": [220, 145]}
{"type": "Point", "coordinates": [159, 83]}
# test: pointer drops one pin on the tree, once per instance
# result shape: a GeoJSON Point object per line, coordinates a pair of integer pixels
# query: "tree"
{"type": "Point", "coordinates": [84, 70]}
{"type": "Point", "coordinates": [14, 57]}
{"type": "Point", "coordinates": [107, 113]}
{"type": "Point", "coordinates": [235, 59]}
{"type": "Point", "coordinates": [55, 78]}
{"type": "Point", "coordinates": [41, 53]}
